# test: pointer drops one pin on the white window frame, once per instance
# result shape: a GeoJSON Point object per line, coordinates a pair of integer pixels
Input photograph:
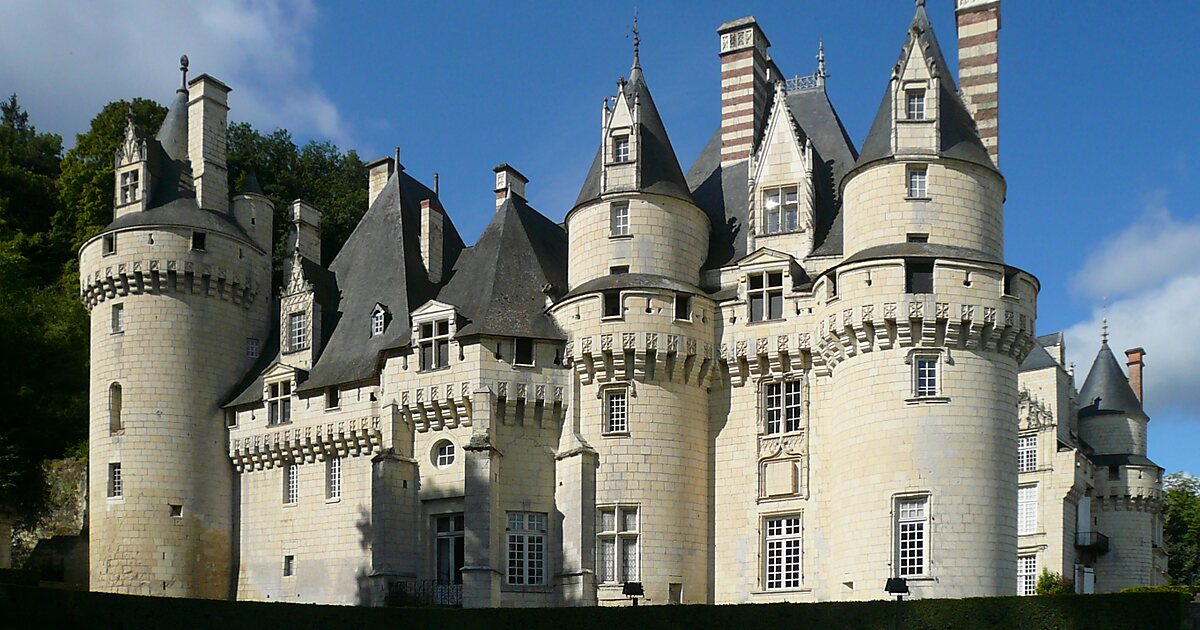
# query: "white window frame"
{"type": "Point", "coordinates": [914, 104]}
{"type": "Point", "coordinates": [616, 410]}
{"type": "Point", "coordinates": [618, 219]}
{"type": "Point", "coordinates": [912, 536]}
{"type": "Point", "coordinates": [377, 322]}
{"type": "Point", "coordinates": [783, 552]}
{"type": "Point", "coordinates": [444, 454]}
{"type": "Point", "coordinates": [620, 148]}
{"type": "Point", "coordinates": [118, 318]}
{"type": "Point", "coordinates": [1027, 510]}
{"type": "Point", "coordinates": [767, 295]}
{"type": "Point", "coordinates": [617, 544]}
{"type": "Point", "coordinates": [130, 187]}
{"type": "Point", "coordinates": [433, 344]}
{"type": "Point", "coordinates": [291, 483]}
{"type": "Point", "coordinates": [279, 403]}
{"type": "Point", "coordinates": [926, 375]}
{"type": "Point", "coordinates": [783, 406]}
{"type": "Point", "coordinates": [526, 548]}
{"type": "Point", "coordinates": [1027, 574]}
{"type": "Point", "coordinates": [916, 179]}
{"type": "Point", "coordinates": [116, 481]}
{"type": "Point", "coordinates": [253, 348]}
{"type": "Point", "coordinates": [297, 330]}
{"type": "Point", "coordinates": [1027, 454]}
{"type": "Point", "coordinates": [333, 478]}
{"type": "Point", "coordinates": [781, 209]}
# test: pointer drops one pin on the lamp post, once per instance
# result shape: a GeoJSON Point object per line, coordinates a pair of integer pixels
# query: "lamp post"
{"type": "Point", "coordinates": [633, 590]}
{"type": "Point", "coordinates": [897, 586]}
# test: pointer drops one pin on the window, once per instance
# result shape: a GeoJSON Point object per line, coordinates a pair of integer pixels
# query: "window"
{"type": "Point", "coordinates": [766, 296]}
{"type": "Point", "coordinates": [918, 277]}
{"type": "Point", "coordinates": [617, 270]}
{"type": "Point", "coordinates": [1010, 284]}
{"type": "Point", "coordinates": [1026, 575]}
{"type": "Point", "coordinates": [289, 566]}
{"type": "Point", "coordinates": [782, 209]}
{"type": "Point", "coordinates": [199, 240]}
{"type": "Point", "coordinates": [116, 486]}
{"type": "Point", "coordinates": [435, 344]}
{"type": "Point", "coordinates": [1026, 453]}
{"type": "Point", "coordinates": [526, 548]}
{"type": "Point", "coordinates": [448, 548]}
{"type": "Point", "coordinates": [918, 238]}
{"type": "Point", "coordinates": [333, 397]}
{"type": "Point", "coordinates": [377, 322]}
{"type": "Point", "coordinates": [253, 347]}
{"type": "Point", "coordinates": [619, 219]}
{"type": "Point", "coordinates": [279, 403]}
{"type": "Point", "coordinates": [333, 478]}
{"type": "Point", "coordinates": [914, 107]}
{"type": "Point", "coordinates": [523, 351]}
{"type": "Point", "coordinates": [782, 552]}
{"type": "Point", "coordinates": [118, 318]}
{"type": "Point", "coordinates": [917, 182]}
{"type": "Point", "coordinates": [129, 187]}
{"type": "Point", "coordinates": [683, 307]}
{"type": "Point", "coordinates": [291, 483]}
{"type": "Point", "coordinates": [176, 510]}
{"type": "Point", "coordinates": [110, 244]}
{"type": "Point", "coordinates": [621, 149]}
{"type": "Point", "coordinates": [833, 285]}
{"type": "Point", "coordinates": [617, 544]}
{"type": "Point", "coordinates": [231, 418]}
{"type": "Point", "coordinates": [783, 405]}
{"type": "Point", "coordinates": [925, 376]}
{"type": "Point", "coordinates": [616, 411]}
{"type": "Point", "coordinates": [443, 454]}
{"type": "Point", "coordinates": [1026, 510]}
{"type": "Point", "coordinates": [297, 331]}
{"type": "Point", "coordinates": [114, 408]}
{"type": "Point", "coordinates": [912, 537]}
{"type": "Point", "coordinates": [612, 303]}
{"type": "Point", "coordinates": [1114, 473]}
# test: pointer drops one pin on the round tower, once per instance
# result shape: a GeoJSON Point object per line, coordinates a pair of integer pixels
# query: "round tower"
{"type": "Point", "coordinates": [922, 331]}
{"type": "Point", "coordinates": [176, 287]}
{"type": "Point", "coordinates": [639, 341]}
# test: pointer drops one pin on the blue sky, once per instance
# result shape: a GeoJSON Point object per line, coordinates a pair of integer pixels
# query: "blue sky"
{"type": "Point", "coordinates": [1097, 123]}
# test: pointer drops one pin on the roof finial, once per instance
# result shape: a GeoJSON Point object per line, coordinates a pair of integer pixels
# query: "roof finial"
{"type": "Point", "coordinates": [920, 3]}
{"type": "Point", "coordinates": [1104, 327]}
{"type": "Point", "coordinates": [397, 165]}
{"type": "Point", "coordinates": [821, 58]}
{"type": "Point", "coordinates": [183, 67]}
{"type": "Point", "coordinates": [637, 41]}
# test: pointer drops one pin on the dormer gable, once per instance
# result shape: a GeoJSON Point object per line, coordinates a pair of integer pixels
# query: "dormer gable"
{"type": "Point", "coordinates": [381, 317]}
{"type": "Point", "coordinates": [782, 193]}
{"type": "Point", "coordinates": [621, 142]}
{"type": "Point", "coordinates": [300, 314]}
{"type": "Point", "coordinates": [131, 171]}
{"type": "Point", "coordinates": [916, 83]}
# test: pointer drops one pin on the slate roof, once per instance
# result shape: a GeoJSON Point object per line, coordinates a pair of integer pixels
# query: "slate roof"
{"type": "Point", "coordinates": [498, 286]}
{"type": "Point", "coordinates": [173, 134]}
{"type": "Point", "coordinates": [182, 212]}
{"type": "Point", "coordinates": [1038, 359]}
{"type": "Point", "coordinates": [958, 137]}
{"type": "Point", "coordinates": [1123, 459]}
{"type": "Point", "coordinates": [659, 167]}
{"type": "Point", "coordinates": [1107, 382]}
{"type": "Point", "coordinates": [922, 250]}
{"type": "Point", "coordinates": [723, 195]}
{"type": "Point", "coordinates": [633, 281]}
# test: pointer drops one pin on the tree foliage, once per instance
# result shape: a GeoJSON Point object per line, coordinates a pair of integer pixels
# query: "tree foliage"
{"type": "Point", "coordinates": [1051, 583]}
{"type": "Point", "coordinates": [1181, 527]}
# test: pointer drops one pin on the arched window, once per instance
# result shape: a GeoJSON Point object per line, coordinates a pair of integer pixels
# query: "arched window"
{"type": "Point", "coordinates": [114, 408]}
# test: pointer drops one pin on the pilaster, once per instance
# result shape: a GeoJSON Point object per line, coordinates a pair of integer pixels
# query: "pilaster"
{"type": "Point", "coordinates": [483, 552]}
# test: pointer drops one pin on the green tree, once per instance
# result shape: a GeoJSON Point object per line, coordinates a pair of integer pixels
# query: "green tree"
{"type": "Point", "coordinates": [1050, 583]}
{"type": "Point", "coordinates": [1181, 527]}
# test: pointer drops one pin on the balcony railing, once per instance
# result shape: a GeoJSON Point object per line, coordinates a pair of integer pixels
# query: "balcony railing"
{"type": "Point", "coordinates": [423, 593]}
{"type": "Point", "coordinates": [1094, 541]}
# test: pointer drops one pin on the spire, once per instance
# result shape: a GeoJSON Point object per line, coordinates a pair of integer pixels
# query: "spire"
{"type": "Point", "coordinates": [251, 184]}
{"type": "Point", "coordinates": [173, 135]}
{"type": "Point", "coordinates": [637, 40]}
{"type": "Point", "coordinates": [821, 74]}
{"type": "Point", "coordinates": [1106, 389]}
{"type": "Point", "coordinates": [1104, 330]}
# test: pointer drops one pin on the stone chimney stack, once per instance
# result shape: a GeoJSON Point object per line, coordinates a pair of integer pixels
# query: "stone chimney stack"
{"type": "Point", "coordinates": [509, 181]}
{"type": "Point", "coordinates": [305, 230]}
{"type": "Point", "coordinates": [746, 75]}
{"type": "Point", "coordinates": [1135, 361]}
{"type": "Point", "coordinates": [978, 24]}
{"type": "Point", "coordinates": [431, 239]}
{"type": "Point", "coordinates": [379, 172]}
{"type": "Point", "coordinates": [208, 112]}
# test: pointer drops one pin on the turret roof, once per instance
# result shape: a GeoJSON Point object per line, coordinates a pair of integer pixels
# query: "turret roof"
{"type": "Point", "coordinates": [1107, 390]}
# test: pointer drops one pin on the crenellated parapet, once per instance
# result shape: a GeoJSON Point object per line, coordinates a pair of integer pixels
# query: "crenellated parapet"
{"type": "Point", "coordinates": [641, 355]}
{"type": "Point", "coordinates": [277, 446]}
{"type": "Point", "coordinates": [120, 278]}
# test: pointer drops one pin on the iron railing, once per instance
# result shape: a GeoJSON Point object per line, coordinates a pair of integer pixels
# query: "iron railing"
{"type": "Point", "coordinates": [1094, 541]}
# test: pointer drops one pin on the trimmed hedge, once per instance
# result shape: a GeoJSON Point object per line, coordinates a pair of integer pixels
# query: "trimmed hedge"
{"type": "Point", "coordinates": [24, 606]}
{"type": "Point", "coordinates": [1190, 590]}
{"type": "Point", "coordinates": [21, 577]}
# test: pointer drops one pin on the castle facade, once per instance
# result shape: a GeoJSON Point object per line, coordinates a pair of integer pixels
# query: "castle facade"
{"type": "Point", "coordinates": [790, 373]}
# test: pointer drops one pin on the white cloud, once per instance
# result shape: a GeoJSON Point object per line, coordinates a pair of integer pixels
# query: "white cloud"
{"type": "Point", "coordinates": [1154, 248]}
{"type": "Point", "coordinates": [67, 59]}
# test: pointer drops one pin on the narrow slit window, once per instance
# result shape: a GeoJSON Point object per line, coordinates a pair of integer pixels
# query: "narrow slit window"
{"type": "Point", "coordinates": [118, 318]}
{"type": "Point", "coordinates": [115, 424]}
{"type": "Point", "coordinates": [291, 483]}
{"type": "Point", "coordinates": [116, 484]}
{"type": "Point", "coordinates": [616, 411]}
{"type": "Point", "coordinates": [333, 478]}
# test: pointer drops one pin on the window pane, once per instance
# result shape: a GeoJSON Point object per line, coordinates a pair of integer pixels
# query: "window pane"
{"type": "Point", "coordinates": [775, 279]}
{"type": "Point", "coordinates": [608, 520]}
{"type": "Point", "coordinates": [629, 559]}
{"type": "Point", "coordinates": [443, 353]}
{"type": "Point", "coordinates": [794, 405]}
{"type": "Point", "coordinates": [776, 305]}
{"type": "Point", "coordinates": [774, 407]}
{"type": "Point", "coordinates": [606, 560]}
{"type": "Point", "coordinates": [629, 519]}
{"type": "Point", "coordinates": [757, 302]}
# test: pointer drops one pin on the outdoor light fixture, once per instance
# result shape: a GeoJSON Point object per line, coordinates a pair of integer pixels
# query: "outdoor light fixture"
{"type": "Point", "coordinates": [898, 587]}
{"type": "Point", "coordinates": [633, 590]}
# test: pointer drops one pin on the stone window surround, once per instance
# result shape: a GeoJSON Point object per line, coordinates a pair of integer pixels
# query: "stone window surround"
{"type": "Point", "coordinates": [284, 391]}
{"type": "Point", "coordinates": [333, 479]}
{"type": "Point", "coordinates": [443, 454]}
{"type": "Point", "coordinates": [526, 530]}
{"type": "Point", "coordinates": [763, 394]}
{"type": "Point", "coordinates": [516, 343]}
{"type": "Point", "coordinates": [297, 331]}
{"type": "Point", "coordinates": [603, 393]}
{"type": "Point", "coordinates": [118, 318]}
{"type": "Point", "coordinates": [1032, 522]}
{"type": "Point", "coordinates": [767, 291]}
{"type": "Point", "coordinates": [109, 246]}
{"type": "Point", "coordinates": [914, 102]}
{"type": "Point", "coordinates": [621, 146]}
{"type": "Point", "coordinates": [618, 220]}
{"type": "Point", "coordinates": [434, 314]}
{"type": "Point", "coordinates": [941, 358]}
{"type": "Point", "coordinates": [115, 482]}
{"type": "Point", "coordinates": [766, 538]}
{"type": "Point", "coordinates": [783, 210]}
{"type": "Point", "coordinates": [291, 483]}
{"type": "Point", "coordinates": [130, 188]}
{"type": "Point", "coordinates": [916, 182]}
{"type": "Point", "coordinates": [620, 536]}
{"type": "Point", "coordinates": [116, 425]}
{"type": "Point", "coordinates": [1027, 455]}
{"type": "Point", "coordinates": [688, 303]}
{"type": "Point", "coordinates": [926, 573]}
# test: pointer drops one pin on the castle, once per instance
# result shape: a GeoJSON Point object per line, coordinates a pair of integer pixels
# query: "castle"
{"type": "Point", "coordinates": [791, 373]}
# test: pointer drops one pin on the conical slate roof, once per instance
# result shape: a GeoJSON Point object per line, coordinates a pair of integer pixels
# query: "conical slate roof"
{"type": "Point", "coordinates": [173, 134]}
{"type": "Point", "coordinates": [1106, 390]}
{"type": "Point", "coordinates": [657, 164]}
{"type": "Point", "coordinates": [958, 137]}
{"type": "Point", "coordinates": [499, 286]}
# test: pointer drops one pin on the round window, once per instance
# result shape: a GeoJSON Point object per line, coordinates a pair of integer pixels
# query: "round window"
{"type": "Point", "coordinates": [443, 454]}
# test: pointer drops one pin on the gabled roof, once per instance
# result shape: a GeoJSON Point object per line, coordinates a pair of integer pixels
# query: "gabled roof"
{"type": "Point", "coordinates": [958, 137]}
{"type": "Point", "coordinates": [498, 287]}
{"type": "Point", "coordinates": [1038, 359]}
{"type": "Point", "coordinates": [658, 166]}
{"type": "Point", "coordinates": [1106, 390]}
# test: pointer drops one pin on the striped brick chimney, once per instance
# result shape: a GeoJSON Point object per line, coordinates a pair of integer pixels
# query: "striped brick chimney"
{"type": "Point", "coordinates": [1135, 360]}
{"type": "Point", "coordinates": [979, 67]}
{"type": "Point", "coordinates": [746, 75]}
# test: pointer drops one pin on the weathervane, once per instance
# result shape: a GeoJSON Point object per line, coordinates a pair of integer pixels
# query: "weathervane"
{"type": "Point", "coordinates": [821, 58]}
{"type": "Point", "coordinates": [637, 40]}
{"type": "Point", "coordinates": [183, 67]}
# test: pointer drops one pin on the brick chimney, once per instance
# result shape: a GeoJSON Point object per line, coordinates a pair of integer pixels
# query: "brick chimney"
{"type": "Point", "coordinates": [746, 75]}
{"type": "Point", "coordinates": [208, 111]}
{"type": "Point", "coordinates": [509, 181]}
{"type": "Point", "coordinates": [1135, 361]}
{"type": "Point", "coordinates": [978, 23]}
{"type": "Point", "coordinates": [378, 174]}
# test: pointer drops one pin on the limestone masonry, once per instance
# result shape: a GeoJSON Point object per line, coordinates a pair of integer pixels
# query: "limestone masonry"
{"type": "Point", "coordinates": [790, 373]}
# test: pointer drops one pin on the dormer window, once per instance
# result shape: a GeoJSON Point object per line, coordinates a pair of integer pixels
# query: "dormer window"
{"type": "Point", "coordinates": [782, 209]}
{"type": "Point", "coordinates": [378, 321]}
{"type": "Point", "coordinates": [621, 149]}
{"type": "Point", "coordinates": [130, 187]}
{"type": "Point", "coordinates": [298, 331]}
{"type": "Point", "coordinates": [279, 403]}
{"type": "Point", "coordinates": [619, 219]}
{"type": "Point", "coordinates": [766, 296]}
{"type": "Point", "coordinates": [914, 104]}
{"type": "Point", "coordinates": [434, 344]}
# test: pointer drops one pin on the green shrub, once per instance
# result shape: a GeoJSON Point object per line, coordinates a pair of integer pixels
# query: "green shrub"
{"type": "Point", "coordinates": [1054, 584]}
{"type": "Point", "coordinates": [1189, 590]}
{"type": "Point", "coordinates": [20, 577]}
